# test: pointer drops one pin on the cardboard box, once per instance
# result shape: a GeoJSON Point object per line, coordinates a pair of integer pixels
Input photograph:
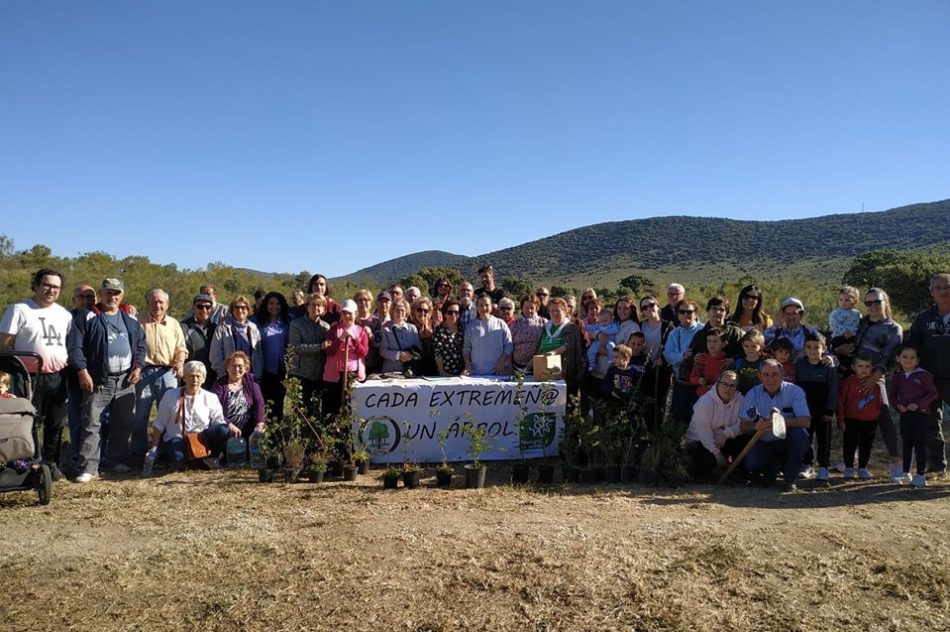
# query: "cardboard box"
{"type": "Point", "coordinates": [546, 367]}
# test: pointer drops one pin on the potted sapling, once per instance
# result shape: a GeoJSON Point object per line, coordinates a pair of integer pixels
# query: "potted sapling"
{"type": "Point", "coordinates": [317, 469]}
{"type": "Point", "coordinates": [391, 477]}
{"type": "Point", "coordinates": [478, 444]}
{"type": "Point", "coordinates": [444, 473]}
{"type": "Point", "coordinates": [411, 472]}
{"type": "Point", "coordinates": [294, 451]}
{"type": "Point", "coordinates": [361, 458]}
{"type": "Point", "coordinates": [521, 471]}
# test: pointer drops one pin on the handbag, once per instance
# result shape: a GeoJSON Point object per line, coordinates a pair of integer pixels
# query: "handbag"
{"type": "Point", "coordinates": [414, 366]}
{"type": "Point", "coordinates": [195, 447]}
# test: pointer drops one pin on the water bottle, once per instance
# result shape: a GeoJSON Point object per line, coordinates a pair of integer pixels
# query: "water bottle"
{"type": "Point", "coordinates": [149, 462]}
{"type": "Point", "coordinates": [256, 449]}
{"type": "Point", "coordinates": [237, 452]}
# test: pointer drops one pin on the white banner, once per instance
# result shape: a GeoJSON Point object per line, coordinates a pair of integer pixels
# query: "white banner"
{"type": "Point", "coordinates": [401, 420]}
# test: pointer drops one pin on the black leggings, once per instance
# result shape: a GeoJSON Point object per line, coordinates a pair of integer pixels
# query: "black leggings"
{"type": "Point", "coordinates": [858, 435]}
{"type": "Point", "coordinates": [914, 428]}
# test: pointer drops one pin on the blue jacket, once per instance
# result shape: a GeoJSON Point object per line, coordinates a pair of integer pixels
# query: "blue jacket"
{"type": "Point", "coordinates": [88, 344]}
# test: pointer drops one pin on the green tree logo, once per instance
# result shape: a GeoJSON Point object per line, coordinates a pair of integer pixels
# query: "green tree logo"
{"type": "Point", "coordinates": [381, 435]}
{"type": "Point", "coordinates": [537, 431]}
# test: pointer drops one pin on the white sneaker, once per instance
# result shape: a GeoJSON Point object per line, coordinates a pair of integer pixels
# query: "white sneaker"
{"type": "Point", "coordinates": [85, 477]}
{"type": "Point", "coordinates": [808, 473]}
{"type": "Point", "coordinates": [122, 468]}
{"type": "Point", "coordinates": [822, 474]}
{"type": "Point", "coordinates": [903, 479]}
{"type": "Point", "coordinates": [848, 473]}
{"type": "Point", "coordinates": [839, 467]}
{"type": "Point", "coordinates": [918, 481]}
{"type": "Point", "coordinates": [863, 474]}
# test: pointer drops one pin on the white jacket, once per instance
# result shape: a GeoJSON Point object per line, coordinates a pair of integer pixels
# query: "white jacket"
{"type": "Point", "coordinates": [710, 413]}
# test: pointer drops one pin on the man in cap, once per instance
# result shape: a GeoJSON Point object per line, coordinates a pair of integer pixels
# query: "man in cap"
{"type": "Point", "coordinates": [107, 348]}
{"type": "Point", "coordinates": [39, 325]}
{"type": "Point", "coordinates": [793, 311]}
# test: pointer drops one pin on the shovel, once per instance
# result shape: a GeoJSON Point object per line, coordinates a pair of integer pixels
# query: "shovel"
{"type": "Point", "coordinates": [778, 429]}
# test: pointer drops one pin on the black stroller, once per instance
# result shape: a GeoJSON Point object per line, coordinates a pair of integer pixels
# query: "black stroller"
{"type": "Point", "coordinates": [20, 467]}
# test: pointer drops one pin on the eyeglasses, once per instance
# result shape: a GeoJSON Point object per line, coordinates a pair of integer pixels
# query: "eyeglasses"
{"type": "Point", "coordinates": [50, 286]}
{"type": "Point", "coordinates": [728, 384]}
{"type": "Point", "coordinates": [876, 301]}
{"type": "Point", "coordinates": [686, 311]}
{"type": "Point", "coordinates": [243, 307]}
{"type": "Point", "coordinates": [202, 306]}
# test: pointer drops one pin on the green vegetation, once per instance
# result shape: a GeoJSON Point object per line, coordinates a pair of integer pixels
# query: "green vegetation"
{"type": "Point", "coordinates": [807, 258]}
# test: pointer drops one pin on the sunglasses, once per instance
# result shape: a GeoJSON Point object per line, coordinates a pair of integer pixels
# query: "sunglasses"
{"type": "Point", "coordinates": [542, 294]}
{"type": "Point", "coordinates": [452, 312]}
{"type": "Point", "coordinates": [422, 310]}
{"type": "Point", "coordinates": [87, 296]}
{"type": "Point", "coordinates": [876, 301]}
{"type": "Point", "coordinates": [648, 306]}
{"type": "Point", "coordinates": [749, 297]}
{"type": "Point", "coordinates": [244, 307]}
{"type": "Point", "coordinates": [202, 306]}
{"type": "Point", "coordinates": [686, 311]}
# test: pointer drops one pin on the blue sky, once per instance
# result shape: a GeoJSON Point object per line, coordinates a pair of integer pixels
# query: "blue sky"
{"type": "Point", "coordinates": [329, 136]}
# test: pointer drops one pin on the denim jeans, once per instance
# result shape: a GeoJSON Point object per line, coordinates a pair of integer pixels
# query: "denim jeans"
{"type": "Point", "coordinates": [785, 455]}
{"type": "Point", "coordinates": [154, 383]}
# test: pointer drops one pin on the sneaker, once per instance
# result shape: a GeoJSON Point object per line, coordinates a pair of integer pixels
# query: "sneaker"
{"type": "Point", "coordinates": [808, 473]}
{"type": "Point", "coordinates": [56, 473]}
{"type": "Point", "coordinates": [903, 479]}
{"type": "Point", "coordinates": [839, 467]}
{"type": "Point", "coordinates": [122, 468]}
{"type": "Point", "coordinates": [864, 474]}
{"type": "Point", "coordinates": [791, 488]}
{"type": "Point", "coordinates": [86, 477]}
{"type": "Point", "coordinates": [918, 481]}
{"type": "Point", "coordinates": [848, 473]}
{"type": "Point", "coordinates": [896, 472]}
{"type": "Point", "coordinates": [822, 474]}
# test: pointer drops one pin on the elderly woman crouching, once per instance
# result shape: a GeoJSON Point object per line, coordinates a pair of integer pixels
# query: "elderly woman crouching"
{"type": "Point", "coordinates": [188, 410]}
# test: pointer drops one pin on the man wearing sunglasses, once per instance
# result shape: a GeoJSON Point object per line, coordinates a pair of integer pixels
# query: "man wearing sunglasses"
{"type": "Point", "coordinates": [199, 330]}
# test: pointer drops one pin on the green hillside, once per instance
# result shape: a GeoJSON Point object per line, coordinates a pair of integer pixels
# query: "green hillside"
{"type": "Point", "coordinates": [615, 249]}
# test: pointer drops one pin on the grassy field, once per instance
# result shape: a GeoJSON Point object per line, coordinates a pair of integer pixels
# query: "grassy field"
{"type": "Point", "coordinates": [219, 551]}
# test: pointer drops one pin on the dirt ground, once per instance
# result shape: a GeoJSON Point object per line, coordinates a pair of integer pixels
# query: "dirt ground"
{"type": "Point", "coordinates": [220, 551]}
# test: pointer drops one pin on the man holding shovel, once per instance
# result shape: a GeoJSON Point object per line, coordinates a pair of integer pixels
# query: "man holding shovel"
{"type": "Point", "coordinates": [773, 453]}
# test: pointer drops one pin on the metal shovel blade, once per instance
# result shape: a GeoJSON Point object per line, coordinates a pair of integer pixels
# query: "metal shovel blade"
{"type": "Point", "coordinates": [778, 424]}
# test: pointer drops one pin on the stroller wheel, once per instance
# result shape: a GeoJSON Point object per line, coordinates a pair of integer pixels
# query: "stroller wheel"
{"type": "Point", "coordinates": [45, 487]}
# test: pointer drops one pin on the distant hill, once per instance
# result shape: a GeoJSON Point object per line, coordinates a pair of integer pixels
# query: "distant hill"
{"type": "Point", "coordinates": [403, 266]}
{"type": "Point", "coordinates": [644, 244]}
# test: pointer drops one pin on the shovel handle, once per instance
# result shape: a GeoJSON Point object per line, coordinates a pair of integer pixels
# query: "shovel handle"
{"type": "Point", "coordinates": [736, 461]}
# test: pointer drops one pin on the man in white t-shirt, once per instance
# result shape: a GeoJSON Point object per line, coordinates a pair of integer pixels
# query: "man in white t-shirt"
{"type": "Point", "coordinates": [39, 325]}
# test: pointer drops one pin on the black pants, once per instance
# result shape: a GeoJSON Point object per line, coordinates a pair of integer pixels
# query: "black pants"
{"type": "Point", "coordinates": [49, 398]}
{"type": "Point", "coordinates": [819, 434]}
{"type": "Point", "coordinates": [915, 427]}
{"type": "Point", "coordinates": [703, 462]}
{"type": "Point", "coordinates": [858, 435]}
{"type": "Point", "coordinates": [311, 392]}
{"type": "Point", "coordinates": [936, 447]}
{"type": "Point", "coordinates": [272, 388]}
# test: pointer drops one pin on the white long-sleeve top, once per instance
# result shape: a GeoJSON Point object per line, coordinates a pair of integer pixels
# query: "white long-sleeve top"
{"type": "Point", "coordinates": [200, 411]}
{"type": "Point", "coordinates": [710, 413]}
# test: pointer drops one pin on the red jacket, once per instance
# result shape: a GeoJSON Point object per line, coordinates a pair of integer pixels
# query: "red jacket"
{"type": "Point", "coordinates": [708, 368]}
{"type": "Point", "coordinates": [854, 405]}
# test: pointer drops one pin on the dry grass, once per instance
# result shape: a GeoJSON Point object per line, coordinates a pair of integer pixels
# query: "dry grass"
{"type": "Point", "coordinates": [218, 551]}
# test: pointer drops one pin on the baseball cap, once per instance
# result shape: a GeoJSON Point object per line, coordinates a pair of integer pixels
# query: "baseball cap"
{"type": "Point", "coordinates": [791, 300]}
{"type": "Point", "coordinates": [112, 284]}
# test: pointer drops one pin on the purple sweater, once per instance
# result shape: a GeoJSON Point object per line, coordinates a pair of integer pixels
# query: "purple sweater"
{"type": "Point", "coordinates": [916, 388]}
{"type": "Point", "coordinates": [251, 391]}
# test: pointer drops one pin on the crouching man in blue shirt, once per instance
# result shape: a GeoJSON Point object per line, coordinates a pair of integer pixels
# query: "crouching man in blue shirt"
{"type": "Point", "coordinates": [771, 454]}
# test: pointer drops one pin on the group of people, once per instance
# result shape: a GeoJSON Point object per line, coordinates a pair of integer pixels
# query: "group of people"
{"type": "Point", "coordinates": [103, 364]}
